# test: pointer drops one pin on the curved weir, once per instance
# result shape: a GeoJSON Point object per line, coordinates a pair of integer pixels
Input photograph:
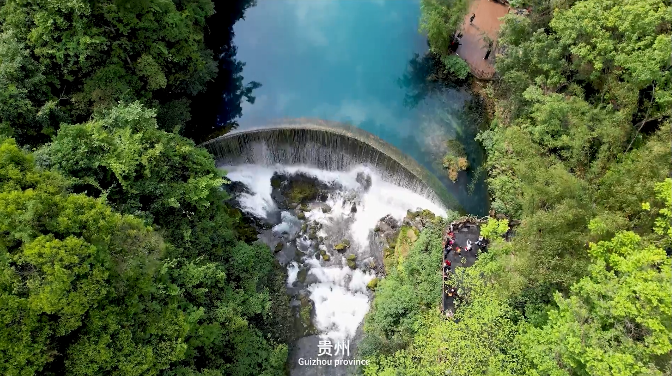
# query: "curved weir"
{"type": "Point", "coordinates": [330, 146]}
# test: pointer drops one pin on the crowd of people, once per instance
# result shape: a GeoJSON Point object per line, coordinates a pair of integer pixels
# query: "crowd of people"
{"type": "Point", "coordinates": [450, 246]}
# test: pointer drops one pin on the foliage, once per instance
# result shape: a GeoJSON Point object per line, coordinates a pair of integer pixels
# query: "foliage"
{"type": "Point", "coordinates": [616, 320]}
{"type": "Point", "coordinates": [455, 159]}
{"type": "Point", "coordinates": [81, 287]}
{"type": "Point", "coordinates": [65, 61]}
{"type": "Point", "coordinates": [409, 287]}
{"type": "Point", "coordinates": [440, 19]}
{"type": "Point", "coordinates": [495, 228]}
{"type": "Point", "coordinates": [456, 66]}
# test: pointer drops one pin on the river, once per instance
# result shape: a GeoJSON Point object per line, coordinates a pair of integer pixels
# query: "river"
{"type": "Point", "coordinates": [343, 60]}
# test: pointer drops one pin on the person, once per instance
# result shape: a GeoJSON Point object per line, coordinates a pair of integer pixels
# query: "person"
{"type": "Point", "coordinates": [468, 247]}
{"type": "Point", "coordinates": [451, 235]}
{"type": "Point", "coordinates": [459, 35]}
{"type": "Point", "coordinates": [487, 54]}
{"type": "Point", "coordinates": [447, 262]}
{"type": "Point", "coordinates": [457, 249]}
{"type": "Point", "coordinates": [471, 19]}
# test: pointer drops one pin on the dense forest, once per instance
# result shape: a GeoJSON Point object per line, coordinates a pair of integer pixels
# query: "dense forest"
{"type": "Point", "coordinates": [118, 254]}
{"type": "Point", "coordinates": [579, 154]}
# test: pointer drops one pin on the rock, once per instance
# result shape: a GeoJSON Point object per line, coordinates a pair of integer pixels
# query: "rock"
{"type": "Point", "coordinates": [372, 284]}
{"type": "Point", "coordinates": [352, 264]}
{"type": "Point", "coordinates": [323, 197]}
{"type": "Point", "coordinates": [351, 257]}
{"type": "Point", "coordinates": [301, 215]}
{"type": "Point", "coordinates": [304, 208]}
{"type": "Point", "coordinates": [312, 235]}
{"type": "Point", "coordinates": [325, 256]}
{"type": "Point", "coordinates": [301, 276]}
{"type": "Point", "coordinates": [343, 245]}
{"type": "Point", "coordinates": [353, 209]}
{"type": "Point", "coordinates": [278, 247]}
{"type": "Point", "coordinates": [326, 209]}
{"type": "Point", "coordinates": [364, 180]}
{"type": "Point", "coordinates": [304, 226]}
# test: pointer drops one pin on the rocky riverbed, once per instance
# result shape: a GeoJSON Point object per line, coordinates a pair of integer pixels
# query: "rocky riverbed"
{"type": "Point", "coordinates": [330, 231]}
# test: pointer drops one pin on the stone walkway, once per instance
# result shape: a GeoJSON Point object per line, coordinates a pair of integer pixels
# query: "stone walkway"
{"type": "Point", "coordinates": [473, 48]}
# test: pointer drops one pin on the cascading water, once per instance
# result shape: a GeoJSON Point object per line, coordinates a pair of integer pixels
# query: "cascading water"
{"type": "Point", "coordinates": [365, 184]}
{"type": "Point", "coordinates": [329, 146]}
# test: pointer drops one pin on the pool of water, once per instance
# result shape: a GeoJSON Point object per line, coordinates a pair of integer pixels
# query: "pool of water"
{"type": "Point", "coordinates": [344, 61]}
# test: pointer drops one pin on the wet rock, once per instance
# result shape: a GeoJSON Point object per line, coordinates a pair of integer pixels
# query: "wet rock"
{"type": "Point", "coordinates": [342, 246]}
{"type": "Point", "coordinates": [364, 180]}
{"type": "Point", "coordinates": [353, 209]}
{"type": "Point", "coordinates": [351, 257]}
{"type": "Point", "coordinates": [326, 209]}
{"type": "Point", "coordinates": [326, 256]}
{"type": "Point", "coordinates": [323, 197]}
{"type": "Point", "coordinates": [372, 284]}
{"type": "Point", "coordinates": [352, 264]}
{"type": "Point", "coordinates": [310, 279]}
{"type": "Point", "coordinates": [301, 276]}
{"type": "Point", "coordinates": [278, 247]}
{"type": "Point", "coordinates": [301, 215]}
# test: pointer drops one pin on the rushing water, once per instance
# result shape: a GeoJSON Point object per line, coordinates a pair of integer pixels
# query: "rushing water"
{"type": "Point", "coordinates": [342, 60]}
{"type": "Point", "coordinates": [346, 61]}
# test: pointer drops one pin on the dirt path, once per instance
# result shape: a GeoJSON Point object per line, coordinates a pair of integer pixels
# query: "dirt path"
{"type": "Point", "coordinates": [473, 48]}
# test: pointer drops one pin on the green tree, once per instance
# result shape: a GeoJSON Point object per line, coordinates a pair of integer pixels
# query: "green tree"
{"type": "Point", "coordinates": [617, 320]}
{"type": "Point", "coordinates": [440, 20]}
{"type": "Point", "coordinates": [78, 285]}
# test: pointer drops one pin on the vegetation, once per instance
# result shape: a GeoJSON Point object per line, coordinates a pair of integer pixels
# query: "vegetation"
{"type": "Point", "coordinates": [578, 154]}
{"type": "Point", "coordinates": [117, 253]}
{"type": "Point", "coordinates": [440, 20]}
{"type": "Point", "coordinates": [455, 159]}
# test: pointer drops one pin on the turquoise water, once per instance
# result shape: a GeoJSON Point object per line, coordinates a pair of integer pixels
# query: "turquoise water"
{"type": "Point", "coordinates": [342, 60]}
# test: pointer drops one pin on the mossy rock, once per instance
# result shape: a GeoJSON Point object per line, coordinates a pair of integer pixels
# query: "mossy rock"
{"type": "Point", "coordinates": [352, 264]}
{"type": "Point", "coordinates": [346, 242]}
{"type": "Point", "coordinates": [304, 227]}
{"type": "Point", "coordinates": [321, 239]}
{"type": "Point", "coordinates": [326, 209]}
{"type": "Point", "coordinates": [276, 181]}
{"type": "Point", "coordinates": [376, 229]}
{"type": "Point", "coordinates": [372, 284]}
{"type": "Point", "coordinates": [428, 214]}
{"type": "Point", "coordinates": [304, 207]}
{"type": "Point", "coordinates": [353, 209]}
{"type": "Point", "coordinates": [325, 256]}
{"type": "Point", "coordinates": [312, 235]}
{"type": "Point", "coordinates": [351, 257]}
{"type": "Point", "coordinates": [342, 246]}
{"type": "Point", "coordinates": [301, 215]}
{"type": "Point", "coordinates": [301, 192]}
{"type": "Point", "coordinates": [278, 247]}
{"type": "Point", "coordinates": [301, 276]}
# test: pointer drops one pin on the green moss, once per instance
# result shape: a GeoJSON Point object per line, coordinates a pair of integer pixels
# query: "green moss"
{"type": "Point", "coordinates": [304, 207]}
{"type": "Point", "coordinates": [276, 181]}
{"type": "Point", "coordinates": [341, 246]}
{"type": "Point", "coordinates": [304, 226]}
{"type": "Point", "coordinates": [372, 284]}
{"type": "Point", "coordinates": [301, 192]}
{"type": "Point", "coordinates": [278, 247]}
{"type": "Point", "coordinates": [352, 257]}
{"type": "Point", "coordinates": [301, 215]}
{"type": "Point", "coordinates": [376, 229]}
{"type": "Point", "coordinates": [301, 276]}
{"type": "Point", "coordinates": [326, 256]}
{"type": "Point", "coordinates": [352, 264]}
{"type": "Point", "coordinates": [312, 235]}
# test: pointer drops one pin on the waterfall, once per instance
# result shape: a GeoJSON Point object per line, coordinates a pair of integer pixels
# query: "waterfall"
{"type": "Point", "coordinates": [329, 146]}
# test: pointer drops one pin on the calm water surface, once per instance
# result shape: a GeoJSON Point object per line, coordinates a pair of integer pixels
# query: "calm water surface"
{"type": "Point", "coordinates": [342, 60]}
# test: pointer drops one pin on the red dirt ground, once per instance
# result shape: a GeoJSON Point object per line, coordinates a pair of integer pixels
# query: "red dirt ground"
{"type": "Point", "coordinates": [473, 48]}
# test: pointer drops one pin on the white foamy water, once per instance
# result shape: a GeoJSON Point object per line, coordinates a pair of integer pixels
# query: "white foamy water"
{"type": "Point", "coordinates": [292, 273]}
{"type": "Point", "coordinates": [340, 294]}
